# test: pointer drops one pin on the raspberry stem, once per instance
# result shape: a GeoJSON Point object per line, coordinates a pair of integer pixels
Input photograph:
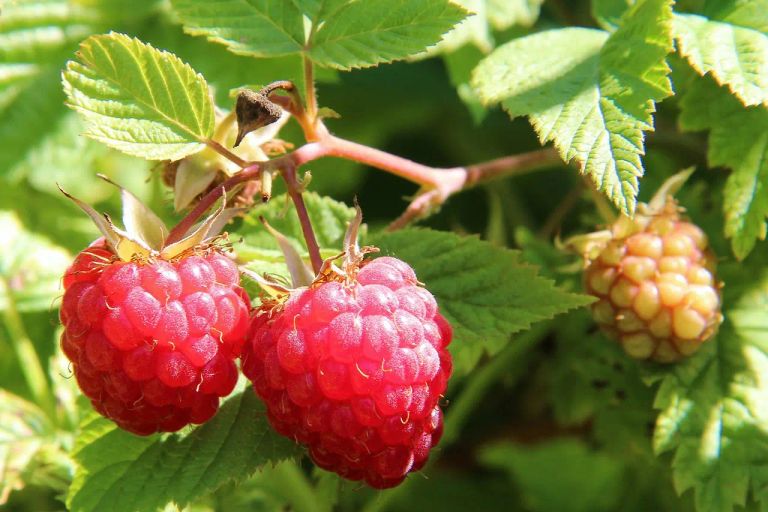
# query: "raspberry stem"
{"type": "Point", "coordinates": [438, 184]}
{"type": "Point", "coordinates": [306, 224]}
{"type": "Point", "coordinates": [177, 233]}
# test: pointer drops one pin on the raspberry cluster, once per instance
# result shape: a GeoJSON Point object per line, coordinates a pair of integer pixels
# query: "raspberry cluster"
{"type": "Point", "coordinates": [354, 369]}
{"type": "Point", "coordinates": [153, 344]}
{"type": "Point", "coordinates": [655, 284]}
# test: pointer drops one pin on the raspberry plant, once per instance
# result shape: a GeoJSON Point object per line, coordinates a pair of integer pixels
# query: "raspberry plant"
{"type": "Point", "coordinates": [573, 327]}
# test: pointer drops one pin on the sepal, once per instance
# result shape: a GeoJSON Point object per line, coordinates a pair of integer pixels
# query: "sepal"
{"type": "Point", "coordinates": [197, 237]}
{"type": "Point", "coordinates": [144, 237]}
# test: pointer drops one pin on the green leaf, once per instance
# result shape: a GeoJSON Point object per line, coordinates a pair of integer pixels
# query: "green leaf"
{"type": "Point", "coordinates": [123, 472]}
{"type": "Point", "coordinates": [591, 93]}
{"type": "Point", "coordinates": [137, 99]}
{"type": "Point", "coordinates": [713, 406]}
{"type": "Point", "coordinates": [484, 291]}
{"type": "Point", "coordinates": [313, 8]}
{"type": "Point", "coordinates": [738, 139]}
{"type": "Point", "coordinates": [732, 50]}
{"type": "Point", "coordinates": [366, 33]}
{"type": "Point", "coordinates": [583, 480]}
{"type": "Point", "coordinates": [223, 69]}
{"type": "Point", "coordinates": [260, 28]}
{"type": "Point", "coordinates": [30, 267]}
{"type": "Point", "coordinates": [343, 34]}
{"type": "Point", "coordinates": [320, 10]}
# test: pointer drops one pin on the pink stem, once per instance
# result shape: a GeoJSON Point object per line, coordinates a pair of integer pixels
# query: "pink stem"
{"type": "Point", "coordinates": [399, 166]}
{"type": "Point", "coordinates": [178, 232]}
{"type": "Point", "coordinates": [510, 165]}
{"type": "Point", "coordinates": [294, 191]}
{"type": "Point", "coordinates": [439, 183]}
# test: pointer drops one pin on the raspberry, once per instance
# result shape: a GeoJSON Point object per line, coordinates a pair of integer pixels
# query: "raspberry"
{"type": "Point", "coordinates": [656, 287]}
{"type": "Point", "coordinates": [153, 344]}
{"type": "Point", "coordinates": [354, 369]}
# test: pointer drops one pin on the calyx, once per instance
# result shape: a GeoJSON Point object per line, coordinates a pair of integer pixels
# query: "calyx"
{"type": "Point", "coordinates": [143, 236]}
{"type": "Point", "coordinates": [341, 267]}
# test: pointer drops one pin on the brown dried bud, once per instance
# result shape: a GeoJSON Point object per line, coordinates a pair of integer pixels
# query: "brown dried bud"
{"type": "Point", "coordinates": [254, 110]}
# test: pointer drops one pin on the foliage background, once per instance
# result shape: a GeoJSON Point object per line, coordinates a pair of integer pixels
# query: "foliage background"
{"type": "Point", "coordinates": [558, 419]}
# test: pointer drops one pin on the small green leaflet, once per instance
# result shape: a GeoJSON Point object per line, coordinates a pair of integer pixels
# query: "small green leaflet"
{"type": "Point", "coordinates": [484, 291]}
{"type": "Point", "coordinates": [137, 99]}
{"type": "Point", "coordinates": [320, 10]}
{"type": "Point", "coordinates": [734, 50]}
{"type": "Point", "coordinates": [345, 35]}
{"type": "Point", "coordinates": [122, 472]}
{"type": "Point", "coordinates": [585, 481]}
{"type": "Point", "coordinates": [738, 139]}
{"type": "Point", "coordinates": [590, 92]}
{"type": "Point", "coordinates": [714, 406]}
{"type": "Point", "coordinates": [30, 267]}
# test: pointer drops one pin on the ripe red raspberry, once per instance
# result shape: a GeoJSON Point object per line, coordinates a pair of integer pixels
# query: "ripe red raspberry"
{"type": "Point", "coordinates": [354, 369]}
{"type": "Point", "coordinates": [153, 344]}
{"type": "Point", "coordinates": [656, 287]}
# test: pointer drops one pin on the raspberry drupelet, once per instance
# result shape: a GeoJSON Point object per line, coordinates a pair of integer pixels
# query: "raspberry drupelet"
{"type": "Point", "coordinates": [354, 369]}
{"type": "Point", "coordinates": [153, 344]}
{"type": "Point", "coordinates": [655, 284]}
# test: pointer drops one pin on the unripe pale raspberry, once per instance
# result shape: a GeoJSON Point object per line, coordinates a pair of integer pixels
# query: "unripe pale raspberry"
{"type": "Point", "coordinates": [153, 344]}
{"type": "Point", "coordinates": [354, 369]}
{"type": "Point", "coordinates": [655, 282]}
